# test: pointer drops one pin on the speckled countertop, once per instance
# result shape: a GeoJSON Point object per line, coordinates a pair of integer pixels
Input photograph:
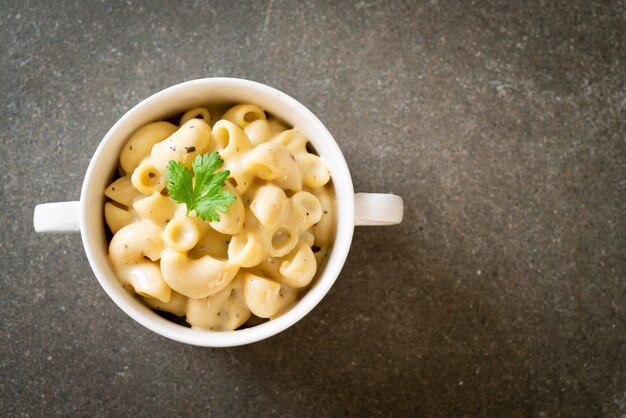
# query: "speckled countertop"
{"type": "Point", "coordinates": [502, 124]}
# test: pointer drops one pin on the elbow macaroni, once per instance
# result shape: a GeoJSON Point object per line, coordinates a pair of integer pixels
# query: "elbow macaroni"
{"type": "Point", "coordinates": [263, 252]}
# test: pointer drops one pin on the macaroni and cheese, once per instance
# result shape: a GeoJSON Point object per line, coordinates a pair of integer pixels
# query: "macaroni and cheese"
{"type": "Point", "coordinates": [263, 252]}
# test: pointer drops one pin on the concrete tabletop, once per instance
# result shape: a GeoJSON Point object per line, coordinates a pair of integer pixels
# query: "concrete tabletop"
{"type": "Point", "coordinates": [501, 124]}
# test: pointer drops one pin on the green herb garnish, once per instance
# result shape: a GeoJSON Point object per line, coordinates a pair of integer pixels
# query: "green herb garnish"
{"type": "Point", "coordinates": [204, 195]}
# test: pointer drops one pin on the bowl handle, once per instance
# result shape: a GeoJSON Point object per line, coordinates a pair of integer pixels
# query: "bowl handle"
{"type": "Point", "coordinates": [378, 209]}
{"type": "Point", "coordinates": [57, 217]}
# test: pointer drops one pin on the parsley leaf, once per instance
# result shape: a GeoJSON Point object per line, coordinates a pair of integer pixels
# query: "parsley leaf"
{"type": "Point", "coordinates": [179, 182]}
{"type": "Point", "coordinates": [204, 196]}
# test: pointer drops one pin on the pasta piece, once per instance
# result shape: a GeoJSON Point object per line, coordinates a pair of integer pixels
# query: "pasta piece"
{"type": "Point", "coordinates": [270, 206]}
{"type": "Point", "coordinates": [306, 211]}
{"type": "Point", "coordinates": [148, 179]}
{"type": "Point", "coordinates": [229, 139]}
{"type": "Point", "coordinates": [133, 252]}
{"type": "Point", "coordinates": [122, 191]}
{"type": "Point", "coordinates": [258, 132]}
{"type": "Point", "coordinates": [231, 222]}
{"type": "Point", "coordinates": [140, 143]}
{"type": "Point", "coordinates": [156, 207]}
{"type": "Point", "coordinates": [244, 114]}
{"type": "Point", "coordinates": [312, 169]}
{"type": "Point", "coordinates": [211, 243]}
{"type": "Point", "coordinates": [233, 144]}
{"type": "Point", "coordinates": [283, 240]}
{"type": "Point", "coordinates": [197, 113]}
{"type": "Point", "coordinates": [292, 139]}
{"type": "Point", "coordinates": [308, 238]}
{"type": "Point", "coordinates": [203, 227]}
{"type": "Point", "coordinates": [197, 278]}
{"type": "Point", "coordinates": [266, 298]}
{"type": "Point", "coordinates": [181, 234]}
{"type": "Point", "coordinates": [272, 161]}
{"type": "Point", "coordinates": [224, 311]}
{"type": "Point", "coordinates": [249, 247]}
{"type": "Point", "coordinates": [268, 268]}
{"type": "Point", "coordinates": [190, 140]}
{"type": "Point", "coordinates": [246, 249]}
{"type": "Point", "coordinates": [116, 218]}
{"type": "Point", "coordinates": [276, 126]}
{"type": "Point", "coordinates": [176, 305]}
{"type": "Point", "coordinates": [324, 229]}
{"type": "Point", "coordinates": [299, 267]}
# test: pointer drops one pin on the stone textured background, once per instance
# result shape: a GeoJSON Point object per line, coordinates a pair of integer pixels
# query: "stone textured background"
{"type": "Point", "coordinates": [502, 124]}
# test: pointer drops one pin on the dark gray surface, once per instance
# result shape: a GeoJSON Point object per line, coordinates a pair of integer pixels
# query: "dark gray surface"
{"type": "Point", "coordinates": [501, 125]}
